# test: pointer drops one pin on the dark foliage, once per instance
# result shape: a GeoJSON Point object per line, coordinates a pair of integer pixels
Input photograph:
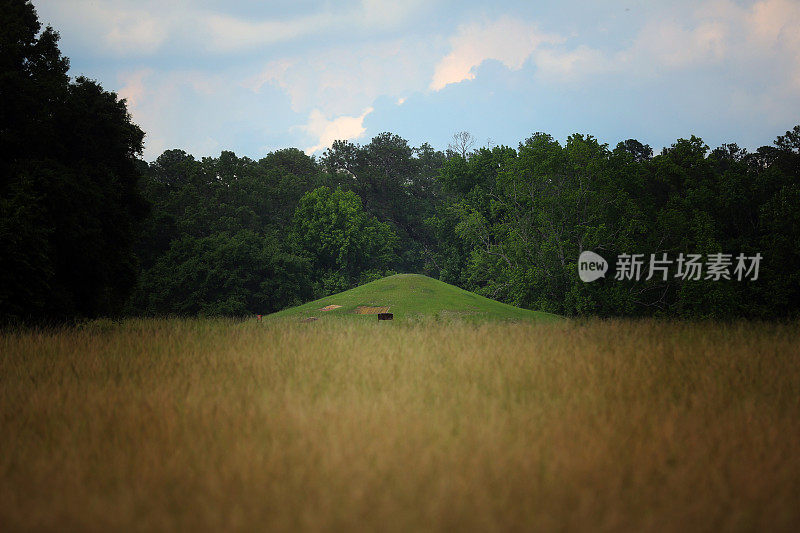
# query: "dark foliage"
{"type": "Point", "coordinates": [69, 201]}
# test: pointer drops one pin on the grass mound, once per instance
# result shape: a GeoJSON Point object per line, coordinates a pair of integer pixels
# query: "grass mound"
{"type": "Point", "coordinates": [410, 297]}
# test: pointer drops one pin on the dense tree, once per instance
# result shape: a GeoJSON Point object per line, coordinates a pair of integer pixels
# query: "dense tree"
{"type": "Point", "coordinates": [346, 245]}
{"type": "Point", "coordinates": [215, 241]}
{"type": "Point", "coordinates": [223, 274]}
{"type": "Point", "coordinates": [504, 222]}
{"type": "Point", "coordinates": [397, 185]}
{"type": "Point", "coordinates": [515, 221]}
{"type": "Point", "coordinates": [69, 202]}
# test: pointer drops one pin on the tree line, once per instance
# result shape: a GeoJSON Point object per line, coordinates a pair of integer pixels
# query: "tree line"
{"type": "Point", "coordinates": [89, 229]}
{"type": "Point", "coordinates": [232, 235]}
{"type": "Point", "coordinates": [70, 203]}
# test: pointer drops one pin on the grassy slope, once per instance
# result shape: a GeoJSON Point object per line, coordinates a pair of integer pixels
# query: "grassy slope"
{"type": "Point", "coordinates": [412, 296]}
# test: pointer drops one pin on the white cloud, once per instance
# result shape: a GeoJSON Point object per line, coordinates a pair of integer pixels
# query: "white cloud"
{"type": "Point", "coordinates": [135, 30]}
{"type": "Point", "coordinates": [724, 33]}
{"type": "Point", "coordinates": [737, 39]}
{"type": "Point", "coordinates": [774, 26]}
{"type": "Point", "coordinates": [775, 21]}
{"type": "Point", "coordinates": [340, 128]}
{"type": "Point", "coordinates": [745, 52]}
{"type": "Point", "coordinates": [276, 72]}
{"type": "Point", "coordinates": [671, 44]}
{"type": "Point", "coordinates": [229, 33]}
{"type": "Point", "coordinates": [158, 101]}
{"type": "Point", "coordinates": [345, 80]}
{"type": "Point", "coordinates": [387, 13]}
{"type": "Point", "coordinates": [143, 27]}
{"type": "Point", "coordinates": [133, 88]}
{"type": "Point", "coordinates": [557, 65]}
{"type": "Point", "coordinates": [114, 27]}
{"type": "Point", "coordinates": [506, 40]}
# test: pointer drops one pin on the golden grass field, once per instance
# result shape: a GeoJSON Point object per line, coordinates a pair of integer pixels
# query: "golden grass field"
{"type": "Point", "coordinates": [570, 426]}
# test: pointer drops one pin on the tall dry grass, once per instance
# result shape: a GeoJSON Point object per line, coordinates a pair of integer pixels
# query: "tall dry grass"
{"type": "Point", "coordinates": [214, 425]}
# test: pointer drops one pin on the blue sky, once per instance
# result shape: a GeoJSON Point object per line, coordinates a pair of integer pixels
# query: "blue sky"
{"type": "Point", "coordinates": [252, 77]}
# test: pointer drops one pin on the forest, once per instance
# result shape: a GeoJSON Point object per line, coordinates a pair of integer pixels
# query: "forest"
{"type": "Point", "coordinates": [89, 229]}
{"type": "Point", "coordinates": [231, 235]}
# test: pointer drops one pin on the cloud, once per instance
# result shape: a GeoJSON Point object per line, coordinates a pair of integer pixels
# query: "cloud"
{"type": "Point", "coordinates": [135, 30]}
{"type": "Point", "coordinates": [723, 33]}
{"type": "Point", "coordinates": [672, 44]}
{"type": "Point", "coordinates": [506, 40]}
{"type": "Point", "coordinates": [190, 109]}
{"type": "Point", "coordinates": [775, 21]}
{"type": "Point", "coordinates": [346, 79]}
{"type": "Point", "coordinates": [133, 88]}
{"type": "Point", "coordinates": [340, 128]}
{"type": "Point", "coordinates": [143, 27]}
{"type": "Point", "coordinates": [275, 72]}
{"type": "Point", "coordinates": [774, 25]}
{"type": "Point", "coordinates": [205, 74]}
{"type": "Point", "coordinates": [749, 53]}
{"type": "Point", "coordinates": [735, 39]}
{"type": "Point", "coordinates": [560, 66]}
{"type": "Point", "coordinates": [229, 33]}
{"type": "Point", "coordinates": [114, 27]}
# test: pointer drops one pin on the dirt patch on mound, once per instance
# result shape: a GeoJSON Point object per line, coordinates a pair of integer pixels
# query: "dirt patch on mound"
{"type": "Point", "coordinates": [329, 307]}
{"type": "Point", "coordinates": [367, 310]}
{"type": "Point", "coordinates": [308, 319]}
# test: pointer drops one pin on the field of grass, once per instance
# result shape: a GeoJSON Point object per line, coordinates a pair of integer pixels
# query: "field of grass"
{"type": "Point", "coordinates": [440, 426]}
{"type": "Point", "coordinates": [411, 297]}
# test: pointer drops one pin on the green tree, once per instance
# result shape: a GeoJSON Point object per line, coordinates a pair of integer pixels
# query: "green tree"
{"type": "Point", "coordinates": [396, 183]}
{"type": "Point", "coordinates": [69, 181]}
{"type": "Point", "coordinates": [223, 274]}
{"type": "Point", "coordinates": [345, 244]}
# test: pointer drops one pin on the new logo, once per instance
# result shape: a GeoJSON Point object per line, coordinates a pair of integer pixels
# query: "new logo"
{"type": "Point", "coordinates": [591, 266]}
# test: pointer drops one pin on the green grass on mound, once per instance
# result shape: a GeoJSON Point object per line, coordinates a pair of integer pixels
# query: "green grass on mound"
{"type": "Point", "coordinates": [410, 297]}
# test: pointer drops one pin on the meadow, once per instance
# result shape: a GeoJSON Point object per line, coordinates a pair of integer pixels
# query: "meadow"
{"type": "Point", "coordinates": [401, 426]}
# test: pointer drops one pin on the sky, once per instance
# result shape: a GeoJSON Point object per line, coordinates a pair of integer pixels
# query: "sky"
{"type": "Point", "coordinates": [255, 76]}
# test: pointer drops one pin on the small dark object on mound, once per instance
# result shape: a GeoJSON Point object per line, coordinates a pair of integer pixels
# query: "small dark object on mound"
{"type": "Point", "coordinates": [309, 319]}
{"type": "Point", "coordinates": [385, 316]}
